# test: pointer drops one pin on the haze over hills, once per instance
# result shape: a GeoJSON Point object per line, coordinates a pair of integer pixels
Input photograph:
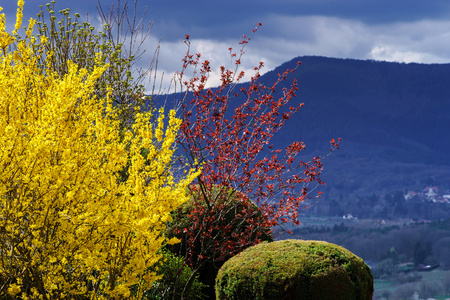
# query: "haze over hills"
{"type": "Point", "coordinates": [394, 120]}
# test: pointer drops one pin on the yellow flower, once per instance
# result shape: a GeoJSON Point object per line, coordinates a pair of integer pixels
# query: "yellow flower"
{"type": "Point", "coordinates": [62, 153]}
{"type": "Point", "coordinates": [173, 241]}
{"type": "Point", "coordinates": [13, 290]}
{"type": "Point", "coordinates": [19, 16]}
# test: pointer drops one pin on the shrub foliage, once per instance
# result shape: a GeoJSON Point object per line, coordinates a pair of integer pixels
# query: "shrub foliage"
{"type": "Point", "coordinates": [294, 269]}
{"type": "Point", "coordinates": [70, 225]}
{"type": "Point", "coordinates": [175, 274]}
{"type": "Point", "coordinates": [225, 227]}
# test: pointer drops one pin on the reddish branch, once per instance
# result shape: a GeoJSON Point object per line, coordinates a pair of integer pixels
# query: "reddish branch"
{"type": "Point", "coordinates": [228, 132]}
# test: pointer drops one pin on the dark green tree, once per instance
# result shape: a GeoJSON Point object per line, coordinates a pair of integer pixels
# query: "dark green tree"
{"type": "Point", "coordinates": [420, 254]}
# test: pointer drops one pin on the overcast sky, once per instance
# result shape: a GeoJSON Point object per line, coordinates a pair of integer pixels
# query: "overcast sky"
{"type": "Point", "coordinates": [391, 30]}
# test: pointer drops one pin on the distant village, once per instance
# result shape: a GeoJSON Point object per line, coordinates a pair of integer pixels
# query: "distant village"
{"type": "Point", "coordinates": [430, 194]}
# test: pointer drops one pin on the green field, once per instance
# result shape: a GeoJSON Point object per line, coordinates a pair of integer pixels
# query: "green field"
{"type": "Point", "coordinates": [384, 285]}
{"type": "Point", "coordinates": [433, 284]}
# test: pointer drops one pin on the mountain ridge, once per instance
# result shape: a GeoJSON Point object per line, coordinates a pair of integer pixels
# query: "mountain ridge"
{"type": "Point", "coordinates": [389, 115]}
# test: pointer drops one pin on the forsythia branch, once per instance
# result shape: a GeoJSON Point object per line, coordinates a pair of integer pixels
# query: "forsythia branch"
{"type": "Point", "coordinates": [70, 225]}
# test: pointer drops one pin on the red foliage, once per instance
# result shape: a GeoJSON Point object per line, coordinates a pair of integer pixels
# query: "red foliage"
{"type": "Point", "coordinates": [231, 141]}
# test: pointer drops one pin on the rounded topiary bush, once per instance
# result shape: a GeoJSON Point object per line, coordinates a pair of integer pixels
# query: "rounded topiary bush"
{"type": "Point", "coordinates": [295, 269]}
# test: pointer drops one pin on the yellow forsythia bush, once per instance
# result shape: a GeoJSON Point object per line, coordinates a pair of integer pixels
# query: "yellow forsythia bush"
{"type": "Point", "coordinates": [72, 225]}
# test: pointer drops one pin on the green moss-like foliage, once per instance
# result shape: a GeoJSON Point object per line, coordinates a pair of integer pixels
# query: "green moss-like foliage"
{"type": "Point", "coordinates": [295, 270]}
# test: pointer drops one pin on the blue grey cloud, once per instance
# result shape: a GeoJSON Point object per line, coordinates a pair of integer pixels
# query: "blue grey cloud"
{"type": "Point", "coordinates": [392, 30]}
{"type": "Point", "coordinates": [215, 19]}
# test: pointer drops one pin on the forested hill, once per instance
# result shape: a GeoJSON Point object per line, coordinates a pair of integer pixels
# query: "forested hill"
{"type": "Point", "coordinates": [394, 120]}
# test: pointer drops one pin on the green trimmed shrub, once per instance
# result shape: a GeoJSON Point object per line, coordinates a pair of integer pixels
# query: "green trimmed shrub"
{"type": "Point", "coordinates": [294, 269]}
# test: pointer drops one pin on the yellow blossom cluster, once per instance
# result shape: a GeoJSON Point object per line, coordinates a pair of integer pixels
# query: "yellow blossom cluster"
{"type": "Point", "coordinates": [83, 205]}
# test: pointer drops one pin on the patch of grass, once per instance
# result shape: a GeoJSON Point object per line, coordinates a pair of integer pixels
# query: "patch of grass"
{"type": "Point", "coordinates": [437, 277]}
{"type": "Point", "coordinates": [382, 285]}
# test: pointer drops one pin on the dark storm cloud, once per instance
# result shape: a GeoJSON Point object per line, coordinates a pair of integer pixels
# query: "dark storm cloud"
{"type": "Point", "coordinates": [391, 30]}
{"type": "Point", "coordinates": [215, 19]}
{"type": "Point", "coordinates": [227, 19]}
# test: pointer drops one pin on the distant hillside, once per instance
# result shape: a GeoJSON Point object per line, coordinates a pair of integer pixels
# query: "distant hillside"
{"type": "Point", "coordinates": [394, 120]}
